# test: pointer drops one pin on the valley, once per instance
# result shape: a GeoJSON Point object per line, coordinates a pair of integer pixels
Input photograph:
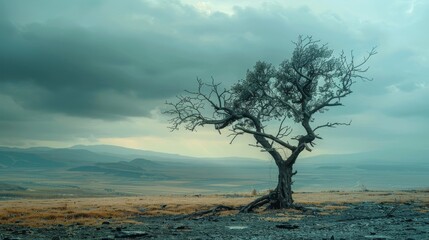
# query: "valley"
{"type": "Point", "coordinates": [101, 171]}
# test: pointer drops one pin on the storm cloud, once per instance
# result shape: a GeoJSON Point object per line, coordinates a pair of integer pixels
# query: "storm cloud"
{"type": "Point", "coordinates": [86, 69]}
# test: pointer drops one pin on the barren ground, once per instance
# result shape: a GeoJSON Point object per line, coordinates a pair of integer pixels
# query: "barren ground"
{"type": "Point", "coordinates": [330, 215]}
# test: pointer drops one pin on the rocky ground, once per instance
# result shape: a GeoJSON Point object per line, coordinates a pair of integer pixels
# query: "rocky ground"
{"type": "Point", "coordinates": [362, 220]}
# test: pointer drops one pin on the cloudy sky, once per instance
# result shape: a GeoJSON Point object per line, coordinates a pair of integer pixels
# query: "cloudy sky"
{"type": "Point", "coordinates": [99, 72]}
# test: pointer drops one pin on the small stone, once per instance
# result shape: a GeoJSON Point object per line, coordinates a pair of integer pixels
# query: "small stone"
{"type": "Point", "coordinates": [378, 237]}
{"type": "Point", "coordinates": [108, 238]}
{"type": "Point", "coordinates": [182, 227]}
{"type": "Point", "coordinates": [131, 234]}
{"type": "Point", "coordinates": [237, 227]}
{"type": "Point", "coordinates": [105, 223]}
{"type": "Point", "coordinates": [287, 226]}
{"type": "Point", "coordinates": [12, 238]}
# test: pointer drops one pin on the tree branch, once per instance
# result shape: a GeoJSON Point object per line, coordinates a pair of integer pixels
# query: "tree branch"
{"type": "Point", "coordinates": [269, 136]}
{"type": "Point", "coordinates": [311, 81]}
{"type": "Point", "coordinates": [332, 125]}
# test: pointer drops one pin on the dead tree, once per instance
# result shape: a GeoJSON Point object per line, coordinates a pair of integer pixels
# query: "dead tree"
{"type": "Point", "coordinates": [262, 104]}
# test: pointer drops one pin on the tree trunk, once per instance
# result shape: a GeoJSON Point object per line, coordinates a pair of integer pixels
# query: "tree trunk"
{"type": "Point", "coordinates": [283, 196]}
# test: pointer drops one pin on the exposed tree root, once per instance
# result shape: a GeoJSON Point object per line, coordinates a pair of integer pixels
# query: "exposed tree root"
{"type": "Point", "coordinates": [269, 199]}
{"type": "Point", "coordinates": [272, 202]}
{"type": "Point", "coordinates": [210, 212]}
{"type": "Point", "coordinates": [259, 202]}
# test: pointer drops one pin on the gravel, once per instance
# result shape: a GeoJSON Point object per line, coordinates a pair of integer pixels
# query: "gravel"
{"type": "Point", "coordinates": [356, 221]}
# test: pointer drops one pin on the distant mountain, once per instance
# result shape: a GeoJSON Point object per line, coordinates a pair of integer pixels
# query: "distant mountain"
{"type": "Point", "coordinates": [130, 152]}
{"type": "Point", "coordinates": [166, 157]}
{"type": "Point", "coordinates": [134, 169]}
{"type": "Point", "coordinates": [385, 156]}
{"type": "Point", "coordinates": [77, 155]}
{"type": "Point", "coordinates": [50, 157]}
{"type": "Point", "coordinates": [116, 169]}
{"type": "Point", "coordinates": [126, 169]}
{"type": "Point", "coordinates": [109, 158]}
{"type": "Point", "coordinates": [9, 159]}
{"type": "Point", "coordinates": [144, 163]}
{"type": "Point", "coordinates": [11, 187]}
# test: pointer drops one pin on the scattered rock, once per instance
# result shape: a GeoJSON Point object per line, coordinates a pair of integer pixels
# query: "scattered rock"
{"type": "Point", "coordinates": [213, 219]}
{"type": "Point", "coordinates": [108, 238]}
{"type": "Point", "coordinates": [132, 234]}
{"type": "Point", "coordinates": [182, 227]}
{"type": "Point", "coordinates": [237, 227]}
{"type": "Point", "coordinates": [26, 232]}
{"type": "Point", "coordinates": [378, 237]}
{"type": "Point", "coordinates": [314, 209]}
{"type": "Point", "coordinates": [365, 222]}
{"type": "Point", "coordinates": [287, 226]}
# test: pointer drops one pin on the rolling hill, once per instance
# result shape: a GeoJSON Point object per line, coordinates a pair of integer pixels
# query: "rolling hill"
{"type": "Point", "coordinates": [118, 168]}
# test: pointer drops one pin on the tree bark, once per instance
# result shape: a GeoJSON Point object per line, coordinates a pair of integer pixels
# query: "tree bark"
{"type": "Point", "coordinates": [283, 196]}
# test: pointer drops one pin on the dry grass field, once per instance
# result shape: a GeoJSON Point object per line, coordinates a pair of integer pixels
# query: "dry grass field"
{"type": "Point", "coordinates": [117, 210]}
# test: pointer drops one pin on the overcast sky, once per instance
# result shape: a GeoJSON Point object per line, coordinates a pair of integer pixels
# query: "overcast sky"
{"type": "Point", "coordinates": [99, 72]}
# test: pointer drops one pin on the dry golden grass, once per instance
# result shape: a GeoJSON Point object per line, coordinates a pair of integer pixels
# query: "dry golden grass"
{"type": "Point", "coordinates": [355, 197]}
{"type": "Point", "coordinates": [93, 211]}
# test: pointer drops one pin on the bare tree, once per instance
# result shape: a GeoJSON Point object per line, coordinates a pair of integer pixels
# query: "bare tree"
{"type": "Point", "coordinates": [262, 104]}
